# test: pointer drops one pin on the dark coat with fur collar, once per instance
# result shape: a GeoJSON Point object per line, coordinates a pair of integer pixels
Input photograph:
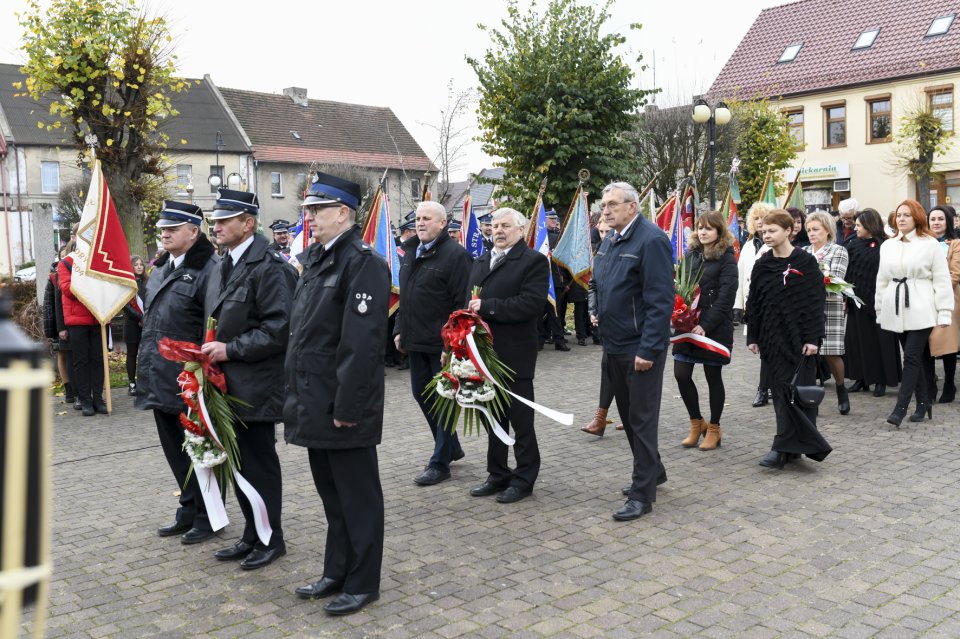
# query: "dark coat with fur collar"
{"type": "Point", "coordinates": [173, 308]}
{"type": "Point", "coordinates": [718, 289]}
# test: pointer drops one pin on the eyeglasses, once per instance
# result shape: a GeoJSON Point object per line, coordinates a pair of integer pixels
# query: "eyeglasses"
{"type": "Point", "coordinates": [609, 205]}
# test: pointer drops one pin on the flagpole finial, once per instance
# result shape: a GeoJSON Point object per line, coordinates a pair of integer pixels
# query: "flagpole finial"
{"type": "Point", "coordinates": [543, 186]}
{"type": "Point", "coordinates": [584, 175]}
{"type": "Point", "coordinates": [92, 143]}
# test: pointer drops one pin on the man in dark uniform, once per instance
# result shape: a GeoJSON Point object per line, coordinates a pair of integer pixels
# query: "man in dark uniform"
{"type": "Point", "coordinates": [173, 307]}
{"type": "Point", "coordinates": [454, 229]}
{"type": "Point", "coordinates": [334, 405]}
{"type": "Point", "coordinates": [281, 236]}
{"type": "Point", "coordinates": [250, 297]}
{"type": "Point", "coordinates": [486, 231]}
{"type": "Point", "coordinates": [433, 284]}
{"type": "Point", "coordinates": [633, 292]}
{"type": "Point", "coordinates": [513, 280]}
{"type": "Point", "coordinates": [551, 322]}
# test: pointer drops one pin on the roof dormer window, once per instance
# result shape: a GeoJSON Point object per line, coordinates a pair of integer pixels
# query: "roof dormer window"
{"type": "Point", "coordinates": [790, 53]}
{"type": "Point", "coordinates": [866, 39]}
{"type": "Point", "coordinates": [940, 25]}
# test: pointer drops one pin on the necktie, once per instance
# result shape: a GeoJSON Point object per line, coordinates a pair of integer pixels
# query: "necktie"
{"type": "Point", "coordinates": [226, 268]}
{"type": "Point", "coordinates": [495, 258]}
{"type": "Point", "coordinates": [616, 236]}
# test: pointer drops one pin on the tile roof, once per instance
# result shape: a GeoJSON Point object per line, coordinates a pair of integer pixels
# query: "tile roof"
{"type": "Point", "coordinates": [328, 132]}
{"type": "Point", "coordinates": [828, 30]}
{"type": "Point", "coordinates": [201, 116]}
{"type": "Point", "coordinates": [480, 193]}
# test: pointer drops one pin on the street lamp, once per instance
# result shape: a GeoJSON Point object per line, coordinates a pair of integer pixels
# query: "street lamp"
{"type": "Point", "coordinates": [702, 114]}
{"type": "Point", "coordinates": [215, 180]}
{"type": "Point", "coordinates": [189, 189]}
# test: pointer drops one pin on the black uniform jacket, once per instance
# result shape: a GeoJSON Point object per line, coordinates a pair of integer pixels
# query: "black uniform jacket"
{"type": "Point", "coordinates": [431, 287]}
{"type": "Point", "coordinates": [253, 319]}
{"type": "Point", "coordinates": [338, 332]}
{"type": "Point", "coordinates": [513, 295]}
{"type": "Point", "coordinates": [173, 304]}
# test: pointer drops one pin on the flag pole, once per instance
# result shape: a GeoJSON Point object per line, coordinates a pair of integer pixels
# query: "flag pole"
{"type": "Point", "coordinates": [649, 185]}
{"type": "Point", "coordinates": [532, 224]}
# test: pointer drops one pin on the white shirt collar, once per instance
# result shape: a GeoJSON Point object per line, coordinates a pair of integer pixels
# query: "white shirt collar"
{"type": "Point", "coordinates": [237, 252]}
{"type": "Point", "coordinates": [326, 247]}
{"type": "Point", "coordinates": [629, 224]}
{"type": "Point", "coordinates": [177, 261]}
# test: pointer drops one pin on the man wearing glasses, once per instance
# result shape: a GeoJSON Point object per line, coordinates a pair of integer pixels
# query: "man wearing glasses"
{"type": "Point", "coordinates": [633, 276]}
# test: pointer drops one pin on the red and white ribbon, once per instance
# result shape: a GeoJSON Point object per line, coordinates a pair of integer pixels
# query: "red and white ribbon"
{"type": "Point", "coordinates": [210, 490]}
{"type": "Point", "coordinates": [494, 424]}
{"type": "Point", "coordinates": [701, 341]}
{"type": "Point", "coordinates": [564, 418]}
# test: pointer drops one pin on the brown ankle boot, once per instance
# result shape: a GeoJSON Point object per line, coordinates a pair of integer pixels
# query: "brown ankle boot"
{"type": "Point", "coordinates": [598, 424]}
{"type": "Point", "coordinates": [712, 440]}
{"type": "Point", "coordinates": [697, 428]}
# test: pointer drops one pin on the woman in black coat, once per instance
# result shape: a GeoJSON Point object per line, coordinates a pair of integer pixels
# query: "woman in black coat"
{"type": "Point", "coordinates": [873, 355]}
{"type": "Point", "coordinates": [133, 321]}
{"type": "Point", "coordinates": [710, 251]}
{"type": "Point", "coordinates": [786, 310]}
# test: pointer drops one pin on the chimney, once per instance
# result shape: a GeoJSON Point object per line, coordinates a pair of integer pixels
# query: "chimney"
{"type": "Point", "coordinates": [298, 95]}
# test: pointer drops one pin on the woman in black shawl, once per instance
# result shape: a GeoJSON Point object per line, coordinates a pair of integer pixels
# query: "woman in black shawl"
{"type": "Point", "coordinates": [786, 311]}
{"type": "Point", "coordinates": [873, 355]}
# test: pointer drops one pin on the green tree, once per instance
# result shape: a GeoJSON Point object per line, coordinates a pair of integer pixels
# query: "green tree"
{"type": "Point", "coordinates": [763, 142]}
{"type": "Point", "coordinates": [555, 97]}
{"type": "Point", "coordinates": [111, 71]}
{"type": "Point", "coordinates": [919, 140]}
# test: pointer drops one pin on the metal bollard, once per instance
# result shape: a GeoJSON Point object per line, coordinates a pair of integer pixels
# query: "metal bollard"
{"type": "Point", "coordinates": [25, 481]}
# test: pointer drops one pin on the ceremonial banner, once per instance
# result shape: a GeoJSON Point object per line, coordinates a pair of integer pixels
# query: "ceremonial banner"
{"type": "Point", "coordinates": [664, 215]}
{"type": "Point", "coordinates": [539, 241]}
{"type": "Point", "coordinates": [573, 251]}
{"type": "Point", "coordinates": [795, 195]}
{"type": "Point", "coordinates": [470, 236]}
{"type": "Point", "coordinates": [300, 243]}
{"type": "Point", "coordinates": [102, 274]}
{"type": "Point", "coordinates": [376, 232]}
{"type": "Point", "coordinates": [730, 215]}
{"type": "Point", "coordinates": [769, 192]}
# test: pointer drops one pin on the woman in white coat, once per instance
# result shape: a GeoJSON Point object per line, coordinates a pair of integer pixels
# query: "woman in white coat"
{"type": "Point", "coordinates": [914, 294]}
{"type": "Point", "coordinates": [749, 252]}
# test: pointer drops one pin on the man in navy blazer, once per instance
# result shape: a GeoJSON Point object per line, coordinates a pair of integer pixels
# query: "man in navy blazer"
{"type": "Point", "coordinates": [633, 281]}
{"type": "Point", "coordinates": [513, 281]}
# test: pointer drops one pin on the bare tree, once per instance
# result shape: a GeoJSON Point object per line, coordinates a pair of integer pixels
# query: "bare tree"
{"type": "Point", "coordinates": [453, 135]}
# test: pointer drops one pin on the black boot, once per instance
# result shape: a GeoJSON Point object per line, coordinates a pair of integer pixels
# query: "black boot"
{"type": "Point", "coordinates": [843, 400]}
{"type": "Point", "coordinates": [858, 386]}
{"type": "Point", "coordinates": [761, 398]}
{"type": "Point", "coordinates": [923, 408]}
{"type": "Point", "coordinates": [949, 393]}
{"type": "Point", "coordinates": [69, 394]}
{"type": "Point", "coordinates": [879, 390]}
{"type": "Point", "coordinates": [897, 416]}
{"type": "Point", "coordinates": [774, 459]}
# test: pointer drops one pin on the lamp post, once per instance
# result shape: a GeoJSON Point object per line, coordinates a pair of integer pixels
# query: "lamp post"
{"type": "Point", "coordinates": [719, 115]}
{"type": "Point", "coordinates": [215, 180]}
{"type": "Point", "coordinates": [189, 189]}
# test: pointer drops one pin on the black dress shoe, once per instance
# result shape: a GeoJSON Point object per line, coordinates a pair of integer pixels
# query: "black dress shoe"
{"type": "Point", "coordinates": [487, 488]}
{"type": "Point", "coordinates": [774, 459]}
{"type": "Point", "coordinates": [195, 536]}
{"type": "Point", "coordinates": [513, 494]}
{"type": "Point", "coordinates": [176, 528]}
{"type": "Point", "coordinates": [761, 398]}
{"type": "Point", "coordinates": [879, 390]}
{"type": "Point", "coordinates": [78, 404]}
{"type": "Point", "coordinates": [87, 410]}
{"type": "Point", "coordinates": [347, 604]}
{"type": "Point", "coordinates": [100, 406]}
{"type": "Point", "coordinates": [581, 342]}
{"type": "Point", "coordinates": [561, 345]}
{"type": "Point", "coordinates": [237, 551]}
{"type": "Point", "coordinates": [263, 557]}
{"type": "Point", "coordinates": [661, 480]}
{"type": "Point", "coordinates": [858, 386]}
{"type": "Point", "coordinates": [431, 476]}
{"type": "Point", "coordinates": [457, 456]}
{"type": "Point", "coordinates": [323, 588]}
{"type": "Point", "coordinates": [633, 509]}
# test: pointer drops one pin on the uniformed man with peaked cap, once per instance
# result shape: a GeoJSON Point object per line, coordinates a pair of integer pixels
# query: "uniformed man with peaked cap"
{"type": "Point", "coordinates": [173, 307]}
{"type": "Point", "coordinates": [250, 297]}
{"type": "Point", "coordinates": [335, 390]}
{"type": "Point", "coordinates": [281, 236]}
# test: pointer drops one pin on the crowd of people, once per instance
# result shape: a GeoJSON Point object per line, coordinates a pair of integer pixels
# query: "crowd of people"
{"type": "Point", "coordinates": [309, 349]}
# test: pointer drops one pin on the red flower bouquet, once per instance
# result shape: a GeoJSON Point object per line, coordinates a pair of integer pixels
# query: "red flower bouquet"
{"type": "Point", "coordinates": [686, 287]}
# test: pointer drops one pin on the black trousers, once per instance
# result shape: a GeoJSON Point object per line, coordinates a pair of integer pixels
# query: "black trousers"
{"type": "Point", "coordinates": [525, 450]}
{"type": "Point", "coordinates": [192, 509]}
{"type": "Point", "coordinates": [550, 324]}
{"type": "Point", "coordinates": [638, 402]}
{"type": "Point", "coordinates": [581, 319]}
{"type": "Point", "coordinates": [87, 349]}
{"type": "Point", "coordinates": [915, 352]}
{"type": "Point", "coordinates": [423, 366]}
{"type": "Point", "coordinates": [260, 465]}
{"type": "Point", "coordinates": [348, 482]}
{"type": "Point", "coordinates": [132, 349]}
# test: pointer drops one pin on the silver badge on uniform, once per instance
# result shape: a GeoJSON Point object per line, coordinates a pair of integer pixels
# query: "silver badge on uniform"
{"type": "Point", "coordinates": [187, 277]}
{"type": "Point", "coordinates": [362, 307]}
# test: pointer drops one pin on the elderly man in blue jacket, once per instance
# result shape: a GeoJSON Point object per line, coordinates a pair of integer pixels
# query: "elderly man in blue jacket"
{"type": "Point", "coordinates": [633, 275]}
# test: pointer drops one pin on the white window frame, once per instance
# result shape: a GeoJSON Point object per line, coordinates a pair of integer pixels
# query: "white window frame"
{"type": "Point", "coordinates": [278, 183]}
{"type": "Point", "coordinates": [181, 184]}
{"type": "Point", "coordinates": [45, 166]}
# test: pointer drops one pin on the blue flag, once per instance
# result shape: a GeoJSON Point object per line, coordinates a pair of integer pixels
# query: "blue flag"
{"type": "Point", "coordinates": [471, 235]}
{"type": "Point", "coordinates": [541, 242]}
{"type": "Point", "coordinates": [376, 232]}
{"type": "Point", "coordinates": [573, 250]}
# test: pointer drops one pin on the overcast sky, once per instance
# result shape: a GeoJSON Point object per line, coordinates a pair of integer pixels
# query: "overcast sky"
{"type": "Point", "coordinates": [402, 55]}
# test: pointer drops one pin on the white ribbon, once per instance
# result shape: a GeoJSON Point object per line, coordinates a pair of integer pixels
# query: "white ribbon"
{"type": "Point", "coordinates": [564, 418]}
{"type": "Point", "coordinates": [211, 493]}
{"type": "Point", "coordinates": [494, 425]}
{"type": "Point", "coordinates": [702, 341]}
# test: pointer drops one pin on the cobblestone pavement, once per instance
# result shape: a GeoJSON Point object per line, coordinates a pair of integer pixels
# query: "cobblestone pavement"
{"type": "Point", "coordinates": [864, 544]}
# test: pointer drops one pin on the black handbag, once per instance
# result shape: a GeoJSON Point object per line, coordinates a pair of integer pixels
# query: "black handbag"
{"type": "Point", "coordinates": [805, 396]}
